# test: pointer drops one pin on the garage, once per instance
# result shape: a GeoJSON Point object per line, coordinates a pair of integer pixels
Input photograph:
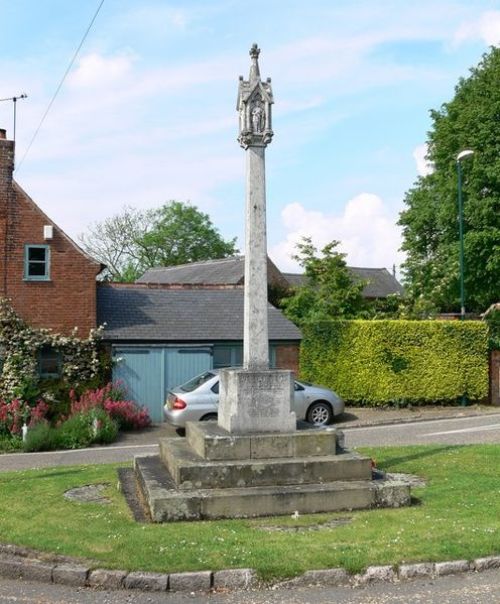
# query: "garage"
{"type": "Point", "coordinates": [160, 338]}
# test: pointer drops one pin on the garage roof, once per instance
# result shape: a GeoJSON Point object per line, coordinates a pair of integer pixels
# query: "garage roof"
{"type": "Point", "coordinates": [135, 313]}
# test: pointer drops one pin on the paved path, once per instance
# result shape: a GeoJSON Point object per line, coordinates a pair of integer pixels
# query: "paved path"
{"type": "Point", "coordinates": [466, 430]}
{"type": "Point", "coordinates": [462, 431]}
{"type": "Point", "coordinates": [469, 588]}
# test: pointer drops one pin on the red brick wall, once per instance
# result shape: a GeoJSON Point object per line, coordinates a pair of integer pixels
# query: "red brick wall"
{"type": "Point", "coordinates": [287, 357]}
{"type": "Point", "coordinates": [68, 299]}
{"type": "Point", "coordinates": [495, 377]}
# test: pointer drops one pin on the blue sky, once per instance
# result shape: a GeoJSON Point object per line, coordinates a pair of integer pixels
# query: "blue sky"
{"type": "Point", "coordinates": [148, 114]}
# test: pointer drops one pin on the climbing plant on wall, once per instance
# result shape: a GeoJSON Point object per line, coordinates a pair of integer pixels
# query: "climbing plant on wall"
{"type": "Point", "coordinates": [80, 361]}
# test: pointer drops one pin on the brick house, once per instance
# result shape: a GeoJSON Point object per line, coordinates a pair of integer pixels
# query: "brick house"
{"type": "Point", "coordinates": [50, 281]}
{"type": "Point", "coordinates": [163, 338]}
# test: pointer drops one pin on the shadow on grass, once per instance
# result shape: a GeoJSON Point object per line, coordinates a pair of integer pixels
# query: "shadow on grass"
{"type": "Point", "coordinates": [427, 452]}
{"type": "Point", "coordinates": [49, 473]}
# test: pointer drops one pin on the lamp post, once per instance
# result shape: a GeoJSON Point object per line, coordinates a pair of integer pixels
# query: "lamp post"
{"type": "Point", "coordinates": [462, 155]}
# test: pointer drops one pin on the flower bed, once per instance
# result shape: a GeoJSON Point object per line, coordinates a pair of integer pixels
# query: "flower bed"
{"type": "Point", "coordinates": [95, 416]}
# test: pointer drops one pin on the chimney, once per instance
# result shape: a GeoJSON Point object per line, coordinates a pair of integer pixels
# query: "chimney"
{"type": "Point", "coordinates": [6, 169]}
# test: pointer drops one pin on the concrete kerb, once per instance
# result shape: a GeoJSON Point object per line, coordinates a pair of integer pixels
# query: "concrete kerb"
{"type": "Point", "coordinates": [15, 566]}
{"type": "Point", "coordinates": [411, 420]}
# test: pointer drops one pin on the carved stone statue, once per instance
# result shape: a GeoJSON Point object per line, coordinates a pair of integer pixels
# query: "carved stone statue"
{"type": "Point", "coordinates": [258, 117]}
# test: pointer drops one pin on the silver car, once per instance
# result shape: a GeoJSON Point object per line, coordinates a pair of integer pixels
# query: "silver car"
{"type": "Point", "coordinates": [198, 400]}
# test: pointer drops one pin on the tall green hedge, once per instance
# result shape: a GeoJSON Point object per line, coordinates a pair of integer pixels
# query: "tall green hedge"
{"type": "Point", "coordinates": [397, 362]}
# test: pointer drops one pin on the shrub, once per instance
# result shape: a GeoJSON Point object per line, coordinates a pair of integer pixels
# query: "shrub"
{"type": "Point", "coordinates": [397, 362]}
{"type": "Point", "coordinates": [128, 415]}
{"type": "Point", "coordinates": [75, 432]}
{"type": "Point", "coordinates": [10, 443]}
{"type": "Point", "coordinates": [104, 429]}
{"type": "Point", "coordinates": [41, 437]}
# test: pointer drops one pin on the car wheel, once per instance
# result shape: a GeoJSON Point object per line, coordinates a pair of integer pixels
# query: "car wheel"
{"type": "Point", "coordinates": [320, 414]}
{"type": "Point", "coordinates": [209, 417]}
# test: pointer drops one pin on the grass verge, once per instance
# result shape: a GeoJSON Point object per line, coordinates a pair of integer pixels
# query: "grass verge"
{"type": "Point", "coordinates": [457, 515]}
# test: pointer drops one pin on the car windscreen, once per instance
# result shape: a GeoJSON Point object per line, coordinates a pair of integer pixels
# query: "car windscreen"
{"type": "Point", "coordinates": [197, 381]}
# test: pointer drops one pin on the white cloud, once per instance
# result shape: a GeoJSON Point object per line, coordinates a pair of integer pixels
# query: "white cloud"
{"type": "Point", "coordinates": [97, 70]}
{"type": "Point", "coordinates": [366, 230]}
{"type": "Point", "coordinates": [424, 166]}
{"type": "Point", "coordinates": [485, 28]}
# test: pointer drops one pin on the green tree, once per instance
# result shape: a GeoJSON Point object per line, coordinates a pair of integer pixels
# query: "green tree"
{"type": "Point", "coordinates": [471, 120]}
{"type": "Point", "coordinates": [329, 291]}
{"type": "Point", "coordinates": [134, 240]}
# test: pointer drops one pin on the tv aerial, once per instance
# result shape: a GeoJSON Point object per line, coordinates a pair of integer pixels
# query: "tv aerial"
{"type": "Point", "coordinates": [14, 99]}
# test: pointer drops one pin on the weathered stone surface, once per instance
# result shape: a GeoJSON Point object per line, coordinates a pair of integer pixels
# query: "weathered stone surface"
{"type": "Point", "coordinates": [89, 493]}
{"type": "Point", "coordinates": [190, 472]}
{"type": "Point", "coordinates": [194, 581]}
{"type": "Point", "coordinates": [213, 443]}
{"type": "Point", "coordinates": [411, 571]}
{"type": "Point", "coordinates": [377, 573]}
{"type": "Point", "coordinates": [33, 570]}
{"type": "Point", "coordinates": [256, 400]}
{"type": "Point", "coordinates": [452, 567]}
{"type": "Point", "coordinates": [146, 581]}
{"type": "Point", "coordinates": [481, 564]}
{"type": "Point", "coordinates": [70, 574]}
{"type": "Point", "coordinates": [108, 579]}
{"type": "Point", "coordinates": [160, 493]}
{"type": "Point", "coordinates": [329, 576]}
{"type": "Point", "coordinates": [390, 494]}
{"type": "Point", "coordinates": [235, 578]}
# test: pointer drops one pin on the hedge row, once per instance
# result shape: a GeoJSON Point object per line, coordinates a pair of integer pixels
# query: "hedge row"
{"type": "Point", "coordinates": [397, 362]}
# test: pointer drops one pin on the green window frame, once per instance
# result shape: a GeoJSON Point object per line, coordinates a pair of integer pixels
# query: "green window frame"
{"type": "Point", "coordinates": [49, 362]}
{"type": "Point", "coordinates": [36, 262]}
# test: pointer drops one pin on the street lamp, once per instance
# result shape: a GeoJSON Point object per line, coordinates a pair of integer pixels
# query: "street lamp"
{"type": "Point", "coordinates": [462, 155]}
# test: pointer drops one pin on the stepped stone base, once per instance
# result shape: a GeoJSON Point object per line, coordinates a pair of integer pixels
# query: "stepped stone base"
{"type": "Point", "coordinates": [168, 503]}
{"type": "Point", "coordinates": [214, 474]}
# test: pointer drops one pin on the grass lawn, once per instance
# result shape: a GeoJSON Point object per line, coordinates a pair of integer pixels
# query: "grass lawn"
{"type": "Point", "coordinates": [456, 516]}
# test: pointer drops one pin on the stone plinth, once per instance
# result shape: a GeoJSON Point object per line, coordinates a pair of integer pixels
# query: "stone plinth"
{"type": "Point", "coordinates": [216, 474]}
{"type": "Point", "coordinates": [168, 503]}
{"type": "Point", "coordinates": [211, 442]}
{"type": "Point", "coordinates": [252, 401]}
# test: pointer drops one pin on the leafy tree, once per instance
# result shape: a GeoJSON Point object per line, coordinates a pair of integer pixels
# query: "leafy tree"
{"type": "Point", "coordinates": [135, 240]}
{"type": "Point", "coordinates": [471, 120]}
{"type": "Point", "coordinates": [329, 291]}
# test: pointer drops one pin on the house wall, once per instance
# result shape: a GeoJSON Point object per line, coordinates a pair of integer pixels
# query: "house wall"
{"type": "Point", "coordinates": [287, 357]}
{"type": "Point", "coordinates": [68, 299]}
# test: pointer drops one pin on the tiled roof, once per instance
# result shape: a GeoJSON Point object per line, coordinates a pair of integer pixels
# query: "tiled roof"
{"type": "Point", "coordinates": [231, 271]}
{"type": "Point", "coordinates": [380, 281]}
{"type": "Point", "coordinates": [227, 271]}
{"type": "Point", "coordinates": [224, 271]}
{"type": "Point", "coordinates": [138, 313]}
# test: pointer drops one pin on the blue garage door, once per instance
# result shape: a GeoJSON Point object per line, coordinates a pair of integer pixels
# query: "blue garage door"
{"type": "Point", "coordinates": [149, 372]}
{"type": "Point", "coordinates": [181, 364]}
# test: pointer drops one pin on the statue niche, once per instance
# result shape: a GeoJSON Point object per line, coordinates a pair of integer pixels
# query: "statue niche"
{"type": "Point", "coordinates": [258, 116]}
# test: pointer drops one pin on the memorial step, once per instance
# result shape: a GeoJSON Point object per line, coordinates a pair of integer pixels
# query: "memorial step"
{"type": "Point", "coordinates": [212, 442]}
{"type": "Point", "coordinates": [167, 503]}
{"type": "Point", "coordinates": [189, 470]}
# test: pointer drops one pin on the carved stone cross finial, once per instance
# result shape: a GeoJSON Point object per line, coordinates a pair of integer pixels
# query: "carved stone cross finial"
{"type": "Point", "coordinates": [254, 68]}
{"type": "Point", "coordinates": [254, 106]}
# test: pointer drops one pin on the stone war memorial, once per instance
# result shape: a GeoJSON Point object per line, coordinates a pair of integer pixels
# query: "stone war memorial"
{"type": "Point", "coordinates": [254, 461]}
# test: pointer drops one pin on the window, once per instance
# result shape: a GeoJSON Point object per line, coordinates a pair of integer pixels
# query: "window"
{"type": "Point", "coordinates": [228, 356]}
{"type": "Point", "coordinates": [49, 362]}
{"type": "Point", "coordinates": [36, 262]}
{"type": "Point", "coordinates": [232, 356]}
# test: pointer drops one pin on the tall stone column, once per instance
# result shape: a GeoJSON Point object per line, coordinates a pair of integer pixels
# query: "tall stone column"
{"type": "Point", "coordinates": [255, 399]}
{"type": "Point", "coordinates": [255, 338]}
